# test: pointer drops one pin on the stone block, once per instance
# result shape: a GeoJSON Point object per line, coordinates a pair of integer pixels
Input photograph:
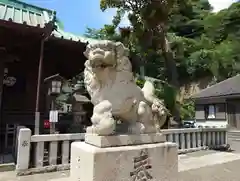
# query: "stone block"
{"type": "Point", "coordinates": [74, 159]}
{"type": "Point", "coordinates": [23, 150]}
{"type": "Point", "coordinates": [123, 140]}
{"type": "Point", "coordinates": [146, 162]}
{"type": "Point", "coordinates": [233, 139]}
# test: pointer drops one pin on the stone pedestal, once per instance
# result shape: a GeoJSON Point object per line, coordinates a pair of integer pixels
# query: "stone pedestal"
{"type": "Point", "coordinates": [113, 161]}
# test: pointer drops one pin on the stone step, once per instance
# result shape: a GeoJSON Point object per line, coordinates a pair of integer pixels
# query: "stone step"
{"type": "Point", "coordinates": [233, 133]}
{"type": "Point", "coordinates": [7, 167]}
{"type": "Point", "coordinates": [6, 163]}
{"type": "Point", "coordinates": [229, 136]}
{"type": "Point", "coordinates": [233, 136]}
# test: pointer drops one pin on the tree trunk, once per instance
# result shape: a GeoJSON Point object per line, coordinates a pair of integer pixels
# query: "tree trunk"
{"type": "Point", "coordinates": [171, 72]}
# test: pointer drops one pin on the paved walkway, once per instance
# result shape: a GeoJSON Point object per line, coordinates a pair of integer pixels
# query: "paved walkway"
{"type": "Point", "coordinates": [196, 160]}
{"type": "Point", "coordinates": [222, 172]}
{"type": "Point", "coordinates": [11, 176]}
{"type": "Point", "coordinates": [198, 166]}
{"type": "Point", "coordinates": [218, 166]}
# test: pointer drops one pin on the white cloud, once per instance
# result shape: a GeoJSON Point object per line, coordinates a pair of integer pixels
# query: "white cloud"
{"type": "Point", "coordinates": [220, 4]}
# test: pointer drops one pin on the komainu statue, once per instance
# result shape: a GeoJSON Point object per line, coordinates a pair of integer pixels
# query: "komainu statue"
{"type": "Point", "coordinates": [109, 80]}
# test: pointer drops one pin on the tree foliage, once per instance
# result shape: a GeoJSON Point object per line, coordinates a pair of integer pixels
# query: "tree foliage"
{"type": "Point", "coordinates": [184, 33]}
{"type": "Point", "coordinates": [148, 19]}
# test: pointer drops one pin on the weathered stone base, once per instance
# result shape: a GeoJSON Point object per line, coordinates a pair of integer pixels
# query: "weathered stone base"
{"type": "Point", "coordinates": [124, 140]}
{"type": "Point", "coordinates": [153, 162]}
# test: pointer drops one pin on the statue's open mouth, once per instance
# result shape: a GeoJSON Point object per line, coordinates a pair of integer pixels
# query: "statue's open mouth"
{"type": "Point", "coordinates": [99, 61]}
{"type": "Point", "coordinates": [96, 60]}
{"type": "Point", "coordinates": [102, 59]}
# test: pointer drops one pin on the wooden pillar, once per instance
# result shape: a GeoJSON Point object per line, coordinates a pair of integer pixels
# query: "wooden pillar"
{"type": "Point", "coordinates": [39, 81]}
{"type": "Point", "coordinates": [1, 86]}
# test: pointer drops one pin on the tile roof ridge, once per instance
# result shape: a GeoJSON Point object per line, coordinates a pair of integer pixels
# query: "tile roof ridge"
{"type": "Point", "coordinates": [217, 84]}
{"type": "Point", "coordinates": [12, 2]}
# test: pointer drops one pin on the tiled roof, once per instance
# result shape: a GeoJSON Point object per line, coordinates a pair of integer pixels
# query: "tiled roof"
{"type": "Point", "coordinates": [59, 33]}
{"type": "Point", "coordinates": [23, 13]}
{"type": "Point", "coordinates": [227, 87]}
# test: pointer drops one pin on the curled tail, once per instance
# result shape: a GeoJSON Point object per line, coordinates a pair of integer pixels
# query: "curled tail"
{"type": "Point", "coordinates": [159, 110]}
{"type": "Point", "coordinates": [148, 91]}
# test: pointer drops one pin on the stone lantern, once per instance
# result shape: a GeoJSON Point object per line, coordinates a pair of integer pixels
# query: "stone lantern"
{"type": "Point", "coordinates": [54, 85]}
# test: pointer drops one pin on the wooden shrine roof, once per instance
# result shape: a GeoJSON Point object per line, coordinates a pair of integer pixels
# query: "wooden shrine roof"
{"type": "Point", "coordinates": [226, 88]}
{"type": "Point", "coordinates": [22, 13]}
{"type": "Point", "coordinates": [59, 33]}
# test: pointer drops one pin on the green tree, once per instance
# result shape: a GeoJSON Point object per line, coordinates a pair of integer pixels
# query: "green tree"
{"type": "Point", "coordinates": [108, 32]}
{"type": "Point", "coordinates": [201, 43]}
{"type": "Point", "coordinates": [221, 53]}
{"type": "Point", "coordinates": [149, 28]}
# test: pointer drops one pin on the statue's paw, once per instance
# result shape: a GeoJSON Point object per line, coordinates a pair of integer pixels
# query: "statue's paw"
{"type": "Point", "coordinates": [91, 130]}
{"type": "Point", "coordinates": [150, 129]}
{"type": "Point", "coordinates": [104, 128]}
{"type": "Point", "coordinates": [137, 128]}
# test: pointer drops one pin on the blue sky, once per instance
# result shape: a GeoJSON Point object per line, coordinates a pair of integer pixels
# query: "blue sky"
{"type": "Point", "coordinates": [78, 14]}
{"type": "Point", "coordinates": [82, 13]}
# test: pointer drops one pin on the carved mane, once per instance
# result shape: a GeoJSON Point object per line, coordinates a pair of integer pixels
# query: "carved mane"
{"type": "Point", "coordinates": [123, 66]}
{"type": "Point", "coordinates": [109, 80]}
